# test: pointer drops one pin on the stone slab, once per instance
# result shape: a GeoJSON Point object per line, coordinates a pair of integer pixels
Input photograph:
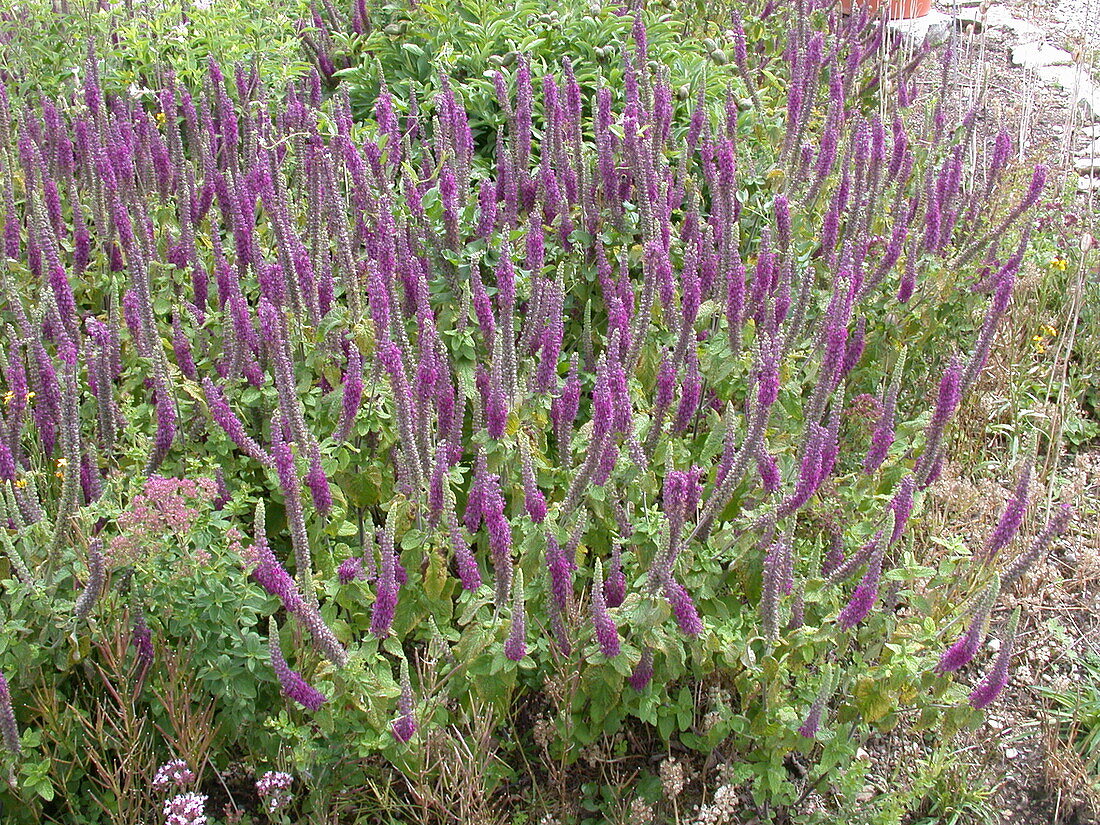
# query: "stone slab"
{"type": "Point", "coordinates": [1001, 17]}
{"type": "Point", "coordinates": [1034, 54]}
{"type": "Point", "coordinates": [934, 26]}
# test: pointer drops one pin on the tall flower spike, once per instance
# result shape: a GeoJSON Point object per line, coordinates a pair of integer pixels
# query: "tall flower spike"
{"type": "Point", "coordinates": [883, 437]}
{"type": "Point", "coordinates": [385, 598]}
{"type": "Point", "coordinates": [533, 499]}
{"type": "Point", "coordinates": [866, 593]}
{"type": "Point", "coordinates": [817, 709]}
{"type": "Point", "coordinates": [960, 653]}
{"type": "Point", "coordinates": [607, 635]}
{"type": "Point", "coordinates": [294, 687]}
{"type": "Point", "coordinates": [1055, 526]}
{"type": "Point", "coordinates": [94, 586]}
{"type": "Point", "coordinates": [1011, 518]}
{"type": "Point", "coordinates": [614, 589]}
{"type": "Point", "coordinates": [683, 608]}
{"type": "Point", "coordinates": [995, 681]}
{"type": "Point", "coordinates": [405, 727]}
{"type": "Point", "coordinates": [515, 648]}
{"type": "Point", "coordinates": [643, 671]}
{"type": "Point", "coordinates": [9, 729]}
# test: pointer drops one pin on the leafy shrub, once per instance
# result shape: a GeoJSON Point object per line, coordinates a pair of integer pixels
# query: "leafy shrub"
{"type": "Point", "coordinates": [633, 405]}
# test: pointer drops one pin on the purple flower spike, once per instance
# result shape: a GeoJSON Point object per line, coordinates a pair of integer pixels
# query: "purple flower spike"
{"type": "Point", "coordinates": [996, 680]}
{"type": "Point", "coordinates": [683, 608]}
{"type": "Point", "coordinates": [293, 685]}
{"type": "Point", "coordinates": [640, 678]}
{"type": "Point", "coordinates": [614, 589]}
{"type": "Point", "coordinates": [607, 635]}
{"type": "Point", "coordinates": [1011, 518]}
{"type": "Point", "coordinates": [812, 724]}
{"type": "Point", "coordinates": [865, 595]}
{"type": "Point", "coordinates": [9, 730]}
{"type": "Point", "coordinates": [405, 726]}
{"type": "Point", "coordinates": [350, 569]}
{"type": "Point", "coordinates": [960, 653]}
{"type": "Point", "coordinates": [515, 648]}
{"type": "Point", "coordinates": [385, 597]}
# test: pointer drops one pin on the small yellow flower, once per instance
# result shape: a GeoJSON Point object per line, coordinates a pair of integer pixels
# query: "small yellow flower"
{"type": "Point", "coordinates": [30, 396]}
{"type": "Point", "coordinates": [59, 474]}
{"type": "Point", "coordinates": [1060, 264]}
{"type": "Point", "coordinates": [160, 118]}
{"type": "Point", "coordinates": [20, 483]}
{"type": "Point", "coordinates": [9, 396]}
{"type": "Point", "coordinates": [1049, 331]}
{"type": "Point", "coordinates": [62, 462]}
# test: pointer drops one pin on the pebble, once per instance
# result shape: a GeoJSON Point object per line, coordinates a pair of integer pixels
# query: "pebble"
{"type": "Point", "coordinates": [1011, 753]}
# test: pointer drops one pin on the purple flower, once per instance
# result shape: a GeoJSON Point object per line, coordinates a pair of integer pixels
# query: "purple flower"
{"type": "Point", "coordinates": [94, 586]}
{"type": "Point", "coordinates": [353, 392]}
{"type": "Point", "coordinates": [385, 595]}
{"type": "Point", "coordinates": [141, 639]}
{"type": "Point", "coordinates": [607, 635]}
{"type": "Point", "coordinates": [683, 608]}
{"type": "Point", "coordinates": [614, 589]}
{"type": "Point", "coordinates": [810, 727]}
{"type": "Point", "coordinates": [515, 648]}
{"type": "Point", "coordinates": [350, 569]}
{"type": "Point", "coordinates": [294, 687]}
{"type": "Point", "coordinates": [9, 730]}
{"type": "Point", "coordinates": [866, 593]}
{"type": "Point", "coordinates": [405, 726]}
{"type": "Point", "coordinates": [317, 482]}
{"type": "Point", "coordinates": [643, 671]}
{"type": "Point", "coordinates": [960, 653]}
{"type": "Point", "coordinates": [1055, 526]}
{"type": "Point", "coordinates": [995, 681]}
{"type": "Point", "coordinates": [1011, 518]}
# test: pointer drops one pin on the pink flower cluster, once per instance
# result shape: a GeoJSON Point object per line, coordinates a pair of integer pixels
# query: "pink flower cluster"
{"type": "Point", "coordinates": [173, 774]}
{"type": "Point", "coordinates": [165, 507]}
{"type": "Point", "coordinates": [274, 789]}
{"type": "Point", "coordinates": [185, 809]}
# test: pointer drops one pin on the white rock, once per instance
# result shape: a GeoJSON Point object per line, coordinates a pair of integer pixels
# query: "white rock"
{"type": "Point", "coordinates": [994, 644]}
{"type": "Point", "coordinates": [934, 26]}
{"type": "Point", "coordinates": [1087, 165]}
{"type": "Point", "coordinates": [862, 754]}
{"type": "Point", "coordinates": [1035, 54]}
{"type": "Point", "coordinates": [1012, 753]}
{"type": "Point", "coordinates": [1091, 131]}
{"type": "Point", "coordinates": [1003, 18]}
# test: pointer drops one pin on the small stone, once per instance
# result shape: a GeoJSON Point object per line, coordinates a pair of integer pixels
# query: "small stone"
{"type": "Point", "coordinates": [994, 644]}
{"type": "Point", "coordinates": [1087, 165]}
{"type": "Point", "coordinates": [1011, 753]}
{"type": "Point", "coordinates": [862, 754]}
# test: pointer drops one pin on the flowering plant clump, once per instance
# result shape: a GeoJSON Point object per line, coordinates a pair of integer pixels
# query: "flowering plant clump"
{"type": "Point", "coordinates": [166, 508]}
{"type": "Point", "coordinates": [274, 789]}
{"type": "Point", "coordinates": [569, 407]}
